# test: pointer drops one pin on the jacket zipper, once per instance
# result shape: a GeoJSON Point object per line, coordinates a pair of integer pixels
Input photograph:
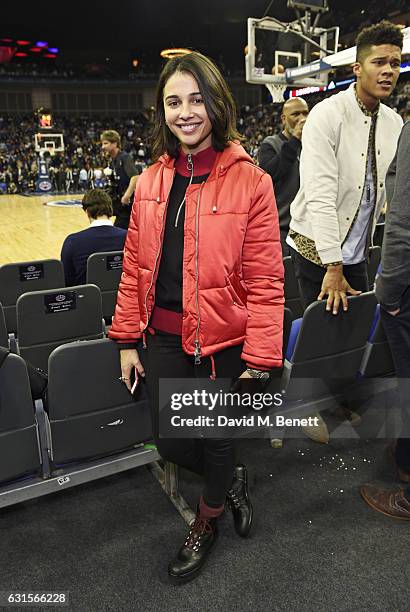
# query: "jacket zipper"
{"type": "Point", "coordinates": [159, 250]}
{"type": "Point", "coordinates": [190, 167]}
{"type": "Point", "coordinates": [197, 353]}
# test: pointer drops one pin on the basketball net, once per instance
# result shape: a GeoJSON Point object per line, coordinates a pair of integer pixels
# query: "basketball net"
{"type": "Point", "coordinates": [276, 90]}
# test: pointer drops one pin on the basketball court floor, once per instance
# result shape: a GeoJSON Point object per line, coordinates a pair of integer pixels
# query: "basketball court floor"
{"type": "Point", "coordinates": [30, 230]}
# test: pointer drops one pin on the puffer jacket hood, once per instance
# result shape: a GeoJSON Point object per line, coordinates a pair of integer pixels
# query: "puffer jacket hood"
{"type": "Point", "coordinates": [232, 267]}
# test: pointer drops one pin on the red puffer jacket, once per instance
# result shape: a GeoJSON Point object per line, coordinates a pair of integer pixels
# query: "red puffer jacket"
{"type": "Point", "coordinates": [232, 266]}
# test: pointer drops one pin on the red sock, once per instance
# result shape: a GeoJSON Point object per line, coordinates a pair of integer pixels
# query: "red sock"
{"type": "Point", "coordinates": [208, 512]}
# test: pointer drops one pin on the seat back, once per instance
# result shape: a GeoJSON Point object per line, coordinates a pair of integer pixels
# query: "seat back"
{"type": "Point", "coordinates": [3, 331]}
{"type": "Point", "coordinates": [375, 254]}
{"type": "Point", "coordinates": [90, 410]}
{"type": "Point", "coordinates": [292, 296]}
{"type": "Point", "coordinates": [377, 360]}
{"type": "Point", "coordinates": [19, 444]}
{"type": "Point", "coordinates": [329, 348]}
{"type": "Point", "coordinates": [19, 278]}
{"type": "Point", "coordinates": [287, 326]}
{"type": "Point", "coordinates": [379, 234]}
{"type": "Point", "coordinates": [104, 270]}
{"type": "Point", "coordinates": [47, 319]}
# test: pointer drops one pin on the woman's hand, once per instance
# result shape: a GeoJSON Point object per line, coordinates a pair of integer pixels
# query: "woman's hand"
{"type": "Point", "coordinates": [129, 360]}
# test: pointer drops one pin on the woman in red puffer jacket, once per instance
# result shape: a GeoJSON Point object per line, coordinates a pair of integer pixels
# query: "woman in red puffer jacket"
{"type": "Point", "coordinates": [202, 282]}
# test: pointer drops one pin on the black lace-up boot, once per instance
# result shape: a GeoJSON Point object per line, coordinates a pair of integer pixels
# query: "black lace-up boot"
{"type": "Point", "coordinates": [239, 502]}
{"type": "Point", "coordinates": [192, 555]}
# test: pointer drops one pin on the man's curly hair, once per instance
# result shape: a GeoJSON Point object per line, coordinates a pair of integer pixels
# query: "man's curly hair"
{"type": "Point", "coordinates": [383, 33]}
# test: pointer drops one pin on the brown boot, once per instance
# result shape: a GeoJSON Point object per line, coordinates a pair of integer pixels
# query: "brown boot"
{"type": "Point", "coordinates": [392, 503]}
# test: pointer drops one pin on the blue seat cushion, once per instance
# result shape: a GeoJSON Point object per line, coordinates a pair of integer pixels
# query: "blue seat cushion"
{"type": "Point", "coordinates": [293, 336]}
{"type": "Point", "coordinates": [375, 322]}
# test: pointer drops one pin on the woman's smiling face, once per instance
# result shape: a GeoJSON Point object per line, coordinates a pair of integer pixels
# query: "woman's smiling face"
{"type": "Point", "coordinates": [185, 113]}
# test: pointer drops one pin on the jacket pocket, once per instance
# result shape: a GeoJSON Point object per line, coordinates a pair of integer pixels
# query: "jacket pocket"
{"type": "Point", "coordinates": [236, 290]}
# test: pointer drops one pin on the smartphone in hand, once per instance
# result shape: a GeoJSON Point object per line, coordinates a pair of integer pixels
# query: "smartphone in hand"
{"type": "Point", "coordinates": [136, 380]}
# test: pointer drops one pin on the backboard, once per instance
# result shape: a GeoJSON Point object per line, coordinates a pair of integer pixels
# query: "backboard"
{"type": "Point", "coordinates": [279, 55]}
{"type": "Point", "coordinates": [48, 142]}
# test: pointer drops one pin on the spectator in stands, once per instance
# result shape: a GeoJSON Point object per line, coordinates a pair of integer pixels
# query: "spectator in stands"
{"type": "Point", "coordinates": [348, 142]}
{"type": "Point", "coordinates": [216, 303]}
{"type": "Point", "coordinates": [125, 176]}
{"type": "Point", "coordinates": [99, 237]}
{"type": "Point", "coordinates": [393, 293]}
{"type": "Point", "coordinates": [279, 155]}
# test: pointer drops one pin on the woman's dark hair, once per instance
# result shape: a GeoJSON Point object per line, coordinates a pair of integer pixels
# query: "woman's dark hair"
{"type": "Point", "coordinates": [96, 203]}
{"type": "Point", "coordinates": [383, 33]}
{"type": "Point", "coordinates": [218, 101]}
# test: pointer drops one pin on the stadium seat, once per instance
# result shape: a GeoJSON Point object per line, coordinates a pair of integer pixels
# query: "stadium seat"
{"type": "Point", "coordinates": [90, 411]}
{"type": "Point", "coordinates": [47, 319]}
{"type": "Point", "coordinates": [292, 297]}
{"type": "Point", "coordinates": [3, 331]}
{"type": "Point", "coordinates": [378, 234]}
{"type": "Point", "coordinates": [377, 359]}
{"type": "Point", "coordinates": [325, 357]}
{"type": "Point", "coordinates": [375, 254]}
{"type": "Point", "coordinates": [19, 442]}
{"type": "Point", "coordinates": [104, 270]}
{"type": "Point", "coordinates": [21, 277]}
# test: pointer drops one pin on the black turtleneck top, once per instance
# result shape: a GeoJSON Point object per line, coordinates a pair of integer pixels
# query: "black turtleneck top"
{"type": "Point", "coordinates": [168, 288]}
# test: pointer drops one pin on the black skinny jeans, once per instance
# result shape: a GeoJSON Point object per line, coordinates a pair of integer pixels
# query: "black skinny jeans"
{"type": "Point", "coordinates": [214, 459]}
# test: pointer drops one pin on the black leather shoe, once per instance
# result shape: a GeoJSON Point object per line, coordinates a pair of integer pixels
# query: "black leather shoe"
{"type": "Point", "coordinates": [239, 502]}
{"type": "Point", "coordinates": [192, 555]}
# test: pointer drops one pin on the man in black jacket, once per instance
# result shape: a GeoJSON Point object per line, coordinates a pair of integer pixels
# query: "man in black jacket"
{"type": "Point", "coordinates": [125, 175]}
{"type": "Point", "coordinates": [393, 293]}
{"type": "Point", "coordinates": [279, 157]}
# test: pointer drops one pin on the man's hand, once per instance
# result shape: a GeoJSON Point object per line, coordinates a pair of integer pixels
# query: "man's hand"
{"type": "Point", "coordinates": [129, 360]}
{"type": "Point", "coordinates": [336, 287]}
{"type": "Point", "coordinates": [393, 313]}
{"type": "Point", "coordinates": [298, 129]}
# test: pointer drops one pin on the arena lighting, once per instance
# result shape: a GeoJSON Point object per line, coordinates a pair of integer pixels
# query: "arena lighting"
{"type": "Point", "coordinates": [9, 40]}
{"type": "Point", "coordinates": [53, 49]}
{"type": "Point", "coordinates": [48, 55]}
{"type": "Point", "coordinates": [20, 54]}
{"type": "Point", "coordinates": [135, 63]}
{"type": "Point", "coordinates": [41, 44]}
{"type": "Point", "coordinates": [35, 50]}
{"type": "Point", "coordinates": [170, 53]}
{"type": "Point", "coordinates": [23, 42]}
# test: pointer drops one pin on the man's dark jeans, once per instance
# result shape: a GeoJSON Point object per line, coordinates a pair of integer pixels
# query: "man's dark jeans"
{"type": "Point", "coordinates": [310, 277]}
{"type": "Point", "coordinates": [397, 330]}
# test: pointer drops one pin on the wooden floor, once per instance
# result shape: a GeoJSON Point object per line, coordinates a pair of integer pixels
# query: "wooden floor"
{"type": "Point", "coordinates": [29, 230]}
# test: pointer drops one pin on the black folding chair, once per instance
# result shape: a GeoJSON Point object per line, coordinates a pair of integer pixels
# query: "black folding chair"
{"type": "Point", "coordinates": [104, 270]}
{"type": "Point", "coordinates": [18, 278]}
{"type": "Point", "coordinates": [19, 441]}
{"type": "Point", "coordinates": [47, 319]}
{"type": "Point", "coordinates": [91, 413]}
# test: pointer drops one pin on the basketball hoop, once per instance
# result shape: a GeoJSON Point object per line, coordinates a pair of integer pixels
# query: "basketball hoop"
{"type": "Point", "coordinates": [277, 90]}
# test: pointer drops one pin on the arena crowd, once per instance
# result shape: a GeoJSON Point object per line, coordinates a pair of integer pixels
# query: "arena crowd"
{"type": "Point", "coordinates": [82, 164]}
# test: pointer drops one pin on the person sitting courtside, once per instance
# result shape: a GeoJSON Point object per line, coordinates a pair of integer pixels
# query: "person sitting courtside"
{"type": "Point", "coordinates": [99, 237]}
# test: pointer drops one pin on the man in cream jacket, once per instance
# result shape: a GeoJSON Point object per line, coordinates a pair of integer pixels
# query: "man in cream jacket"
{"type": "Point", "coordinates": [348, 143]}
